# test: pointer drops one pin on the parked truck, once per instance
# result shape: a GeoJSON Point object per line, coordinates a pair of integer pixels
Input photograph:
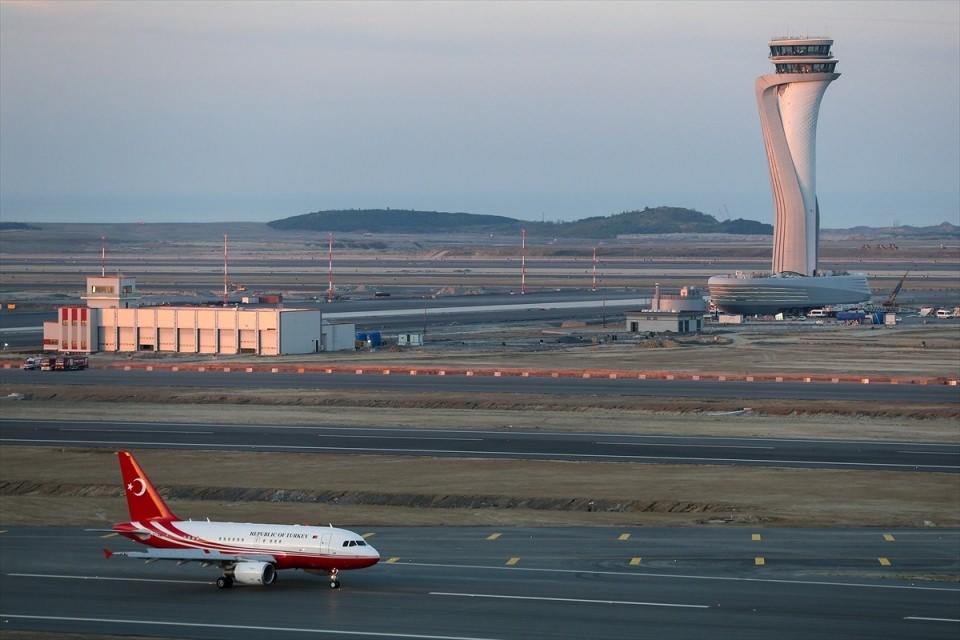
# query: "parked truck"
{"type": "Point", "coordinates": [70, 363]}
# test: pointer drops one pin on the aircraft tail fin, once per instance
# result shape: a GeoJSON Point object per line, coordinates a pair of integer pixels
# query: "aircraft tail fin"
{"type": "Point", "coordinates": [143, 499]}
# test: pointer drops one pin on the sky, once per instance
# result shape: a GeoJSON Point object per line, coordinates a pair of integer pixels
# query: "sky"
{"type": "Point", "coordinates": [253, 111]}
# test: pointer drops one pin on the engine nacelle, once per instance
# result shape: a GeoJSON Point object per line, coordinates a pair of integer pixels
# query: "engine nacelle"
{"type": "Point", "coordinates": [254, 573]}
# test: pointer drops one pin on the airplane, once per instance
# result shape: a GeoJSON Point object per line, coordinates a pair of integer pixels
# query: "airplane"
{"type": "Point", "coordinates": [246, 553]}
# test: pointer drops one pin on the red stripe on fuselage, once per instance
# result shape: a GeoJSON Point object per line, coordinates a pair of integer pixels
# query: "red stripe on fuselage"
{"type": "Point", "coordinates": [165, 534]}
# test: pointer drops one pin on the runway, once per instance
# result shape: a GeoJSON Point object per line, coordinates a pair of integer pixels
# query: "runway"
{"type": "Point", "coordinates": [238, 378]}
{"type": "Point", "coordinates": [500, 444]}
{"type": "Point", "coordinates": [505, 584]}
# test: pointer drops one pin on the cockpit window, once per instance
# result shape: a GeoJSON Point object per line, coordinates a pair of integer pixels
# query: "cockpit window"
{"type": "Point", "coordinates": [354, 543]}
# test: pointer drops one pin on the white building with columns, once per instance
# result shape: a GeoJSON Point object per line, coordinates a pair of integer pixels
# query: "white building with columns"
{"type": "Point", "coordinates": [112, 321]}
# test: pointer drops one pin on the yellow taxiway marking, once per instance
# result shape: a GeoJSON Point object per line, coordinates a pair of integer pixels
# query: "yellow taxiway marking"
{"type": "Point", "coordinates": [755, 537]}
{"type": "Point", "coordinates": [888, 537]}
{"type": "Point", "coordinates": [624, 536]}
{"type": "Point", "coordinates": [494, 536]}
{"type": "Point", "coordinates": [884, 562]}
{"type": "Point", "coordinates": [635, 561]}
{"type": "Point", "coordinates": [368, 535]}
{"type": "Point", "coordinates": [392, 560]}
{"type": "Point", "coordinates": [109, 535]}
{"type": "Point", "coordinates": [512, 561]}
{"type": "Point", "coordinates": [759, 561]}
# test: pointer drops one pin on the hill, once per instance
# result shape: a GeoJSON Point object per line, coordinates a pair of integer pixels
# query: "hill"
{"type": "Point", "coordinates": [17, 226]}
{"type": "Point", "coordinates": [394, 221]}
{"type": "Point", "coordinates": [944, 229]}
{"type": "Point", "coordinates": [649, 221]}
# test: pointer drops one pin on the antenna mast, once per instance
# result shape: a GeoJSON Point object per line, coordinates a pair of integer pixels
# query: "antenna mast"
{"type": "Point", "coordinates": [330, 268]}
{"type": "Point", "coordinates": [224, 269]}
{"type": "Point", "coordinates": [523, 261]}
{"type": "Point", "coordinates": [594, 269]}
{"type": "Point", "coordinates": [103, 256]}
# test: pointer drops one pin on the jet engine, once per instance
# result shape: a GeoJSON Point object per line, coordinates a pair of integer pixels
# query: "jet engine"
{"type": "Point", "coordinates": [254, 573]}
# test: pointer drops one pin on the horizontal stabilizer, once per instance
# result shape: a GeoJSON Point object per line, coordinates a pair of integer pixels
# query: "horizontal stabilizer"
{"type": "Point", "coordinates": [141, 533]}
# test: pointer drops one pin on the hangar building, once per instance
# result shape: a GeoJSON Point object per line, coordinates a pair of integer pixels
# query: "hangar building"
{"type": "Point", "coordinates": [113, 322]}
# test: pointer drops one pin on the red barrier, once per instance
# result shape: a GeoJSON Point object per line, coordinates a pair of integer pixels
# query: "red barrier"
{"type": "Point", "coordinates": [584, 374]}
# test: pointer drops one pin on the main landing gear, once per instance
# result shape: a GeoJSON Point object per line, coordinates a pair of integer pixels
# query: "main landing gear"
{"type": "Point", "coordinates": [224, 582]}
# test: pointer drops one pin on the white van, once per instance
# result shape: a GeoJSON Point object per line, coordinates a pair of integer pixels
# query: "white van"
{"type": "Point", "coordinates": [943, 313]}
{"type": "Point", "coordinates": [817, 313]}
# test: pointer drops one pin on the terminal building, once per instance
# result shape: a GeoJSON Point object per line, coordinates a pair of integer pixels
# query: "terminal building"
{"type": "Point", "coordinates": [113, 321]}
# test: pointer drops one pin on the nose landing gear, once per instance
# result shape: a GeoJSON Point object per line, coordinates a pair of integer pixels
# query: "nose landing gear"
{"type": "Point", "coordinates": [334, 578]}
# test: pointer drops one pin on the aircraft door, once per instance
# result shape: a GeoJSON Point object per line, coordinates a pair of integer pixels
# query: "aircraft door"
{"type": "Point", "coordinates": [325, 543]}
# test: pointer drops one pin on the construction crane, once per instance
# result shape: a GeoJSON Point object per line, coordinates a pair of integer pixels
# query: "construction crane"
{"type": "Point", "coordinates": [892, 300]}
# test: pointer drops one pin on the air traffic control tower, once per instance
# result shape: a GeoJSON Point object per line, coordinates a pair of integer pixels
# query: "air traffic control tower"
{"type": "Point", "coordinates": [789, 102]}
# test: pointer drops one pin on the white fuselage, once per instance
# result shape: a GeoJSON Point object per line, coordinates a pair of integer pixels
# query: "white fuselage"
{"type": "Point", "coordinates": [292, 546]}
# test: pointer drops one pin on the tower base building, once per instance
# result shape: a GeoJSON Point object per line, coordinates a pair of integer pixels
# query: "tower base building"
{"type": "Point", "coordinates": [758, 294]}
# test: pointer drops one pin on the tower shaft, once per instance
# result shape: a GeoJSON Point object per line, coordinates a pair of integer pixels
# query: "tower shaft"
{"type": "Point", "coordinates": [789, 103]}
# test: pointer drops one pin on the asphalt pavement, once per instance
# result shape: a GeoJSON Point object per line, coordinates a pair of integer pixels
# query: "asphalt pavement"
{"type": "Point", "coordinates": [511, 584]}
{"type": "Point", "coordinates": [510, 444]}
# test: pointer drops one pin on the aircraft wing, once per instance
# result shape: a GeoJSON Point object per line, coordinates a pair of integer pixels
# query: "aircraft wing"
{"type": "Point", "coordinates": [192, 555]}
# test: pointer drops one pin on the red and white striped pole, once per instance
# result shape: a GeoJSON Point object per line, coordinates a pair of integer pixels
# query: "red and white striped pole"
{"type": "Point", "coordinates": [523, 261]}
{"type": "Point", "coordinates": [224, 269]}
{"type": "Point", "coordinates": [330, 268]}
{"type": "Point", "coordinates": [594, 269]}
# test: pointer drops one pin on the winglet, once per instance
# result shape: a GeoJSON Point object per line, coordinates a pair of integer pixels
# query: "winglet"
{"type": "Point", "coordinates": [143, 499]}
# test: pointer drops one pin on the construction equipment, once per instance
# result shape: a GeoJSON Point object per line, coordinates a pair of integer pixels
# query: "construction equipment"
{"type": "Point", "coordinates": [892, 300]}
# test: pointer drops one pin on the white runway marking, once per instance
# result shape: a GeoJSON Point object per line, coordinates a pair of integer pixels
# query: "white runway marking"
{"type": "Point", "coordinates": [148, 430]}
{"type": "Point", "coordinates": [923, 619]}
{"type": "Point", "coordinates": [678, 576]}
{"type": "Point", "coordinates": [543, 599]}
{"type": "Point", "coordinates": [932, 453]}
{"type": "Point", "coordinates": [239, 627]}
{"type": "Point", "coordinates": [380, 437]}
{"type": "Point", "coordinates": [693, 446]}
{"type": "Point", "coordinates": [66, 577]}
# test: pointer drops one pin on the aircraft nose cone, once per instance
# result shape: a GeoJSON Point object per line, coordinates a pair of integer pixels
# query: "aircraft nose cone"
{"type": "Point", "coordinates": [372, 553]}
